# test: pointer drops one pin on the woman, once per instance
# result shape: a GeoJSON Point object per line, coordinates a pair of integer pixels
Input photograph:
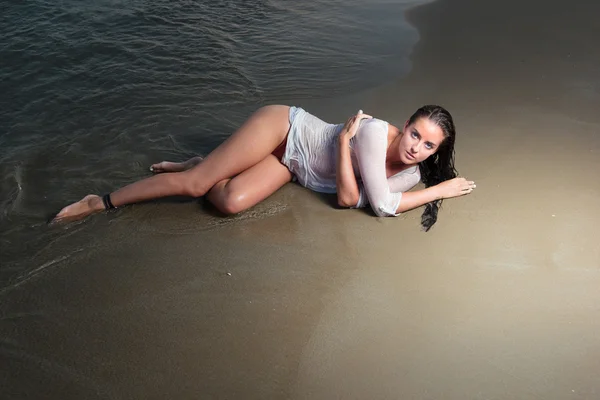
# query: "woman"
{"type": "Point", "coordinates": [375, 164]}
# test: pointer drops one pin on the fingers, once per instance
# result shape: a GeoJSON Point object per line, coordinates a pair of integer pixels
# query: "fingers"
{"type": "Point", "coordinates": [357, 118]}
{"type": "Point", "coordinates": [467, 187]}
{"type": "Point", "coordinates": [360, 115]}
{"type": "Point", "coordinates": [464, 181]}
{"type": "Point", "coordinates": [351, 125]}
{"type": "Point", "coordinates": [463, 186]}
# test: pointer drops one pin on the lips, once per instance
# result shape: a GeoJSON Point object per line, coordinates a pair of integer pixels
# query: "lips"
{"type": "Point", "coordinates": [410, 156]}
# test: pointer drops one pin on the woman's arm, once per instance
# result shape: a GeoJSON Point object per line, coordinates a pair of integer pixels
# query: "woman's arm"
{"type": "Point", "coordinates": [370, 148]}
{"type": "Point", "coordinates": [347, 188]}
{"type": "Point", "coordinates": [417, 198]}
{"type": "Point", "coordinates": [445, 190]}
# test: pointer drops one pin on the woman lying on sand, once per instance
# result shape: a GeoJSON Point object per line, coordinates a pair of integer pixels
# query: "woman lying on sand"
{"type": "Point", "coordinates": [376, 164]}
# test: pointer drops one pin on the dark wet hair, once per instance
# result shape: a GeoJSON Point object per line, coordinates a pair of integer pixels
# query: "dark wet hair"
{"type": "Point", "coordinates": [438, 167]}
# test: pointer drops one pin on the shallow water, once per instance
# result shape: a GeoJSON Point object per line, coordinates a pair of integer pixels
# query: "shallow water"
{"type": "Point", "coordinates": [94, 92]}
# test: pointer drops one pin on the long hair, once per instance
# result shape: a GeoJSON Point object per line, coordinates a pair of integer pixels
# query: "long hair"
{"type": "Point", "coordinates": [438, 167]}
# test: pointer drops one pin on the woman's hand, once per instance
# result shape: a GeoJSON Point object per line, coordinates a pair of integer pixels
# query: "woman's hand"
{"type": "Point", "coordinates": [454, 188]}
{"type": "Point", "coordinates": [351, 126]}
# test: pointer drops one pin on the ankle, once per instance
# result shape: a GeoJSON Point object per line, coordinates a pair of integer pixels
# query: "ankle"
{"type": "Point", "coordinates": [96, 204]}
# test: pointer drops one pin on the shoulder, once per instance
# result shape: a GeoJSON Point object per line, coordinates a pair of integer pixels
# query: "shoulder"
{"type": "Point", "coordinates": [375, 122]}
{"type": "Point", "coordinates": [372, 128]}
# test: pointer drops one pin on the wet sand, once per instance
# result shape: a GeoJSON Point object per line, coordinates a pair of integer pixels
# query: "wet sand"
{"type": "Point", "coordinates": [297, 299]}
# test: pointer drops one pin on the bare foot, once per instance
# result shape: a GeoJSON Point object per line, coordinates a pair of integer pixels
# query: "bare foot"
{"type": "Point", "coordinates": [168, 166]}
{"type": "Point", "coordinates": [89, 205]}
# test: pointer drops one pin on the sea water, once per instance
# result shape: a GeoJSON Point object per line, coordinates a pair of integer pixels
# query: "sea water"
{"type": "Point", "coordinates": [93, 92]}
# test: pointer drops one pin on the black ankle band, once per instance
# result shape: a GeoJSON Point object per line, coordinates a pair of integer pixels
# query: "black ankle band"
{"type": "Point", "coordinates": [107, 203]}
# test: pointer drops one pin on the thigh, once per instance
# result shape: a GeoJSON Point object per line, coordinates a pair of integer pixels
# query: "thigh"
{"type": "Point", "coordinates": [250, 187]}
{"type": "Point", "coordinates": [264, 133]}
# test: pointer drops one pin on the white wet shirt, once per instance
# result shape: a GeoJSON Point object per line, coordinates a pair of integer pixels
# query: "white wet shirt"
{"type": "Point", "coordinates": [311, 155]}
{"type": "Point", "coordinates": [370, 148]}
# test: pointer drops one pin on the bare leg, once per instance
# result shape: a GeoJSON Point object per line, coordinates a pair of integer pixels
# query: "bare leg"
{"type": "Point", "coordinates": [249, 188]}
{"type": "Point", "coordinates": [168, 166]}
{"type": "Point", "coordinates": [258, 137]}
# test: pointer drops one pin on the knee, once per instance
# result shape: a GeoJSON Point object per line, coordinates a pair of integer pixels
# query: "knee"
{"type": "Point", "coordinates": [232, 202]}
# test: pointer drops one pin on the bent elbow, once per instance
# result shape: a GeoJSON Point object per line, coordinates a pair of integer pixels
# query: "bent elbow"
{"type": "Point", "coordinates": [379, 213]}
{"type": "Point", "coordinates": [383, 212]}
{"type": "Point", "coordinates": [347, 201]}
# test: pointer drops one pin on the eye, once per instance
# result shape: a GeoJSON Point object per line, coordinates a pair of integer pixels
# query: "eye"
{"type": "Point", "coordinates": [429, 146]}
{"type": "Point", "coordinates": [414, 134]}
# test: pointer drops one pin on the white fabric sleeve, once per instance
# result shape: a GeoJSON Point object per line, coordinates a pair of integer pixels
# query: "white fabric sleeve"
{"type": "Point", "coordinates": [363, 201]}
{"type": "Point", "coordinates": [401, 182]}
{"type": "Point", "coordinates": [404, 181]}
{"type": "Point", "coordinates": [370, 147]}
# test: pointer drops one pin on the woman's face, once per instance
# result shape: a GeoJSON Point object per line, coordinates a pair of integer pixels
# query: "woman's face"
{"type": "Point", "coordinates": [419, 141]}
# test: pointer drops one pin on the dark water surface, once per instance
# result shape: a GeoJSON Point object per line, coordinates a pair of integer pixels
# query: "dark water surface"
{"type": "Point", "coordinates": [93, 92]}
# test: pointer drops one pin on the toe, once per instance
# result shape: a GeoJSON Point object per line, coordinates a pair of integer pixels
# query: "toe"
{"type": "Point", "coordinates": [156, 168]}
{"type": "Point", "coordinates": [62, 214]}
